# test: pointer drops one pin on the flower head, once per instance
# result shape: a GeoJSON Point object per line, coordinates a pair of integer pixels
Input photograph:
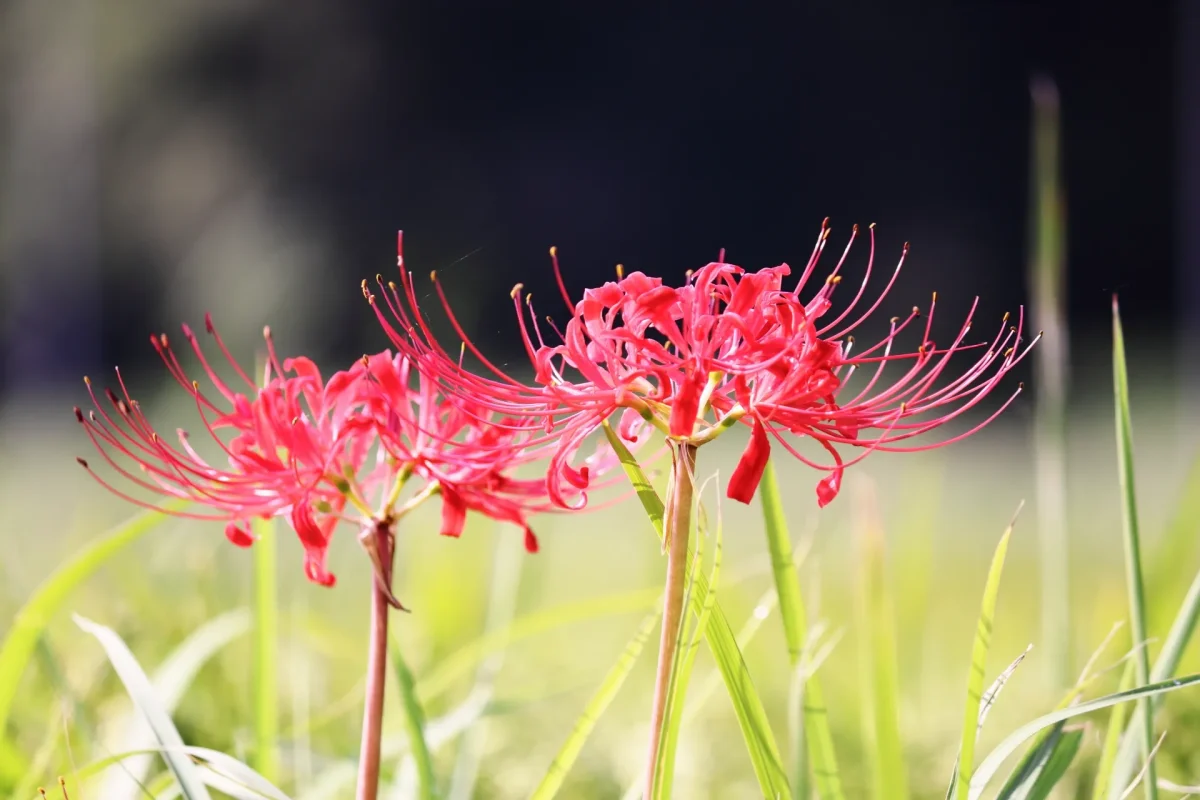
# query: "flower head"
{"type": "Point", "coordinates": [726, 346]}
{"type": "Point", "coordinates": [303, 448]}
{"type": "Point", "coordinates": [288, 445]}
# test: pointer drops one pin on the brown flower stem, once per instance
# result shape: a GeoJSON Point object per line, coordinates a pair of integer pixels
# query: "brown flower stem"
{"type": "Point", "coordinates": [679, 513]}
{"type": "Point", "coordinates": [379, 541]}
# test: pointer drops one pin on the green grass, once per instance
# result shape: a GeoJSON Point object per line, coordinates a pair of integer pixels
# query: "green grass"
{"type": "Point", "coordinates": [911, 588]}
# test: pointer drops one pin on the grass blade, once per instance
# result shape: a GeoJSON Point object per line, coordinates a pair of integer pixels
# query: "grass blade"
{"type": "Point", "coordinates": [170, 683]}
{"type": "Point", "coordinates": [685, 652]}
{"type": "Point", "coordinates": [33, 617]}
{"type": "Point", "coordinates": [266, 650]}
{"type": "Point", "coordinates": [219, 763]}
{"type": "Point", "coordinates": [414, 722]}
{"type": "Point", "coordinates": [817, 735]}
{"type": "Point", "coordinates": [1128, 759]}
{"type": "Point", "coordinates": [1047, 279]}
{"type": "Point", "coordinates": [655, 509]}
{"type": "Point", "coordinates": [1044, 765]}
{"type": "Point", "coordinates": [991, 764]}
{"type": "Point", "coordinates": [787, 579]}
{"type": "Point", "coordinates": [878, 624]}
{"type": "Point", "coordinates": [1105, 768]}
{"type": "Point", "coordinates": [1143, 720]}
{"type": "Point", "coordinates": [142, 693]}
{"type": "Point", "coordinates": [596, 706]}
{"type": "Point", "coordinates": [1057, 764]}
{"type": "Point", "coordinates": [978, 671]}
{"type": "Point", "coordinates": [752, 717]}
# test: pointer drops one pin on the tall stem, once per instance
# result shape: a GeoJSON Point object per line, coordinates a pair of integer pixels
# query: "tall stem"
{"type": "Point", "coordinates": [380, 539]}
{"type": "Point", "coordinates": [679, 512]}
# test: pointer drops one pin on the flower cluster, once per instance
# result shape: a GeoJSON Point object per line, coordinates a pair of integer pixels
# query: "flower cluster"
{"type": "Point", "coordinates": [297, 446]}
{"type": "Point", "coordinates": [727, 346]}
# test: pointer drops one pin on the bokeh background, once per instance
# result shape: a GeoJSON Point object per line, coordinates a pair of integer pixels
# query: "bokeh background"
{"type": "Point", "coordinates": [252, 159]}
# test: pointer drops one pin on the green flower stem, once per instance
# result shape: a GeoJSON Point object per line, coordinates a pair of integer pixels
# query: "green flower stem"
{"type": "Point", "coordinates": [266, 651]}
{"type": "Point", "coordinates": [683, 467]}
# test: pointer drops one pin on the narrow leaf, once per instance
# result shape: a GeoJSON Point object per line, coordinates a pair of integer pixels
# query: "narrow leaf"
{"type": "Point", "coordinates": [170, 683]}
{"type": "Point", "coordinates": [817, 735]}
{"type": "Point", "coordinates": [266, 649]}
{"type": "Point", "coordinates": [142, 693]}
{"type": "Point", "coordinates": [978, 671]}
{"type": "Point", "coordinates": [1105, 768]}
{"type": "Point", "coordinates": [1143, 720]}
{"type": "Point", "coordinates": [414, 722]}
{"type": "Point", "coordinates": [688, 646]}
{"type": "Point", "coordinates": [655, 509]}
{"type": "Point", "coordinates": [752, 716]}
{"type": "Point", "coordinates": [1127, 760]}
{"type": "Point", "coordinates": [878, 653]}
{"type": "Point", "coordinates": [592, 712]}
{"type": "Point", "coordinates": [33, 617]}
{"type": "Point", "coordinates": [991, 764]}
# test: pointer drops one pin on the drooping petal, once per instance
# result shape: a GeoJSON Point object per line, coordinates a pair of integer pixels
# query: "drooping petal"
{"type": "Point", "coordinates": [531, 542]}
{"type": "Point", "coordinates": [828, 487]}
{"type": "Point", "coordinates": [749, 470]}
{"type": "Point", "coordinates": [454, 512]}
{"type": "Point", "coordinates": [239, 535]}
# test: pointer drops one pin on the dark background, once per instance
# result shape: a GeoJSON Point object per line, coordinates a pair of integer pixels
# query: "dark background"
{"type": "Point", "coordinates": [650, 134]}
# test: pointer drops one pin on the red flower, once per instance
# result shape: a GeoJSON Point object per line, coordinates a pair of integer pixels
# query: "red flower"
{"type": "Point", "coordinates": [727, 346]}
{"type": "Point", "coordinates": [302, 448]}
{"type": "Point", "coordinates": [288, 447]}
{"type": "Point", "coordinates": [465, 452]}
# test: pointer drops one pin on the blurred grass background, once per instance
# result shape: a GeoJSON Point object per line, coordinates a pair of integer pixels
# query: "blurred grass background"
{"type": "Point", "coordinates": [597, 574]}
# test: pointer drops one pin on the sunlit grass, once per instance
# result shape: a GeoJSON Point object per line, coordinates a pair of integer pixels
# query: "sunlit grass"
{"type": "Point", "coordinates": [606, 566]}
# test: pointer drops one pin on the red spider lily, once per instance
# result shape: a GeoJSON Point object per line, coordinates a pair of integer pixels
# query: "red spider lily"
{"type": "Point", "coordinates": [303, 448]}
{"type": "Point", "coordinates": [467, 452]}
{"type": "Point", "coordinates": [728, 346]}
{"type": "Point", "coordinates": [291, 445]}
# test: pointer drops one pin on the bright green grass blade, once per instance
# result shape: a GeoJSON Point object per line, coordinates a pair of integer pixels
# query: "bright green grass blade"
{"type": "Point", "coordinates": [878, 625]}
{"type": "Point", "coordinates": [787, 579]}
{"type": "Point", "coordinates": [1044, 765]}
{"type": "Point", "coordinates": [414, 722]}
{"type": "Point", "coordinates": [171, 681]}
{"type": "Point", "coordinates": [991, 764]}
{"type": "Point", "coordinates": [1047, 284]}
{"type": "Point", "coordinates": [142, 693]}
{"type": "Point", "coordinates": [978, 671]}
{"type": "Point", "coordinates": [1128, 760]}
{"type": "Point", "coordinates": [265, 682]}
{"type": "Point", "coordinates": [752, 717]}
{"type": "Point", "coordinates": [685, 652]}
{"type": "Point", "coordinates": [592, 712]}
{"type": "Point", "coordinates": [817, 735]}
{"type": "Point", "coordinates": [1112, 739]}
{"type": "Point", "coordinates": [1056, 765]}
{"type": "Point", "coordinates": [33, 617]}
{"type": "Point", "coordinates": [655, 509]}
{"type": "Point", "coordinates": [1143, 719]}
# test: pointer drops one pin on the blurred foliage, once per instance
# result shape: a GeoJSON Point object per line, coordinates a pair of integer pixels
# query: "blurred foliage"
{"type": "Point", "coordinates": [940, 514]}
